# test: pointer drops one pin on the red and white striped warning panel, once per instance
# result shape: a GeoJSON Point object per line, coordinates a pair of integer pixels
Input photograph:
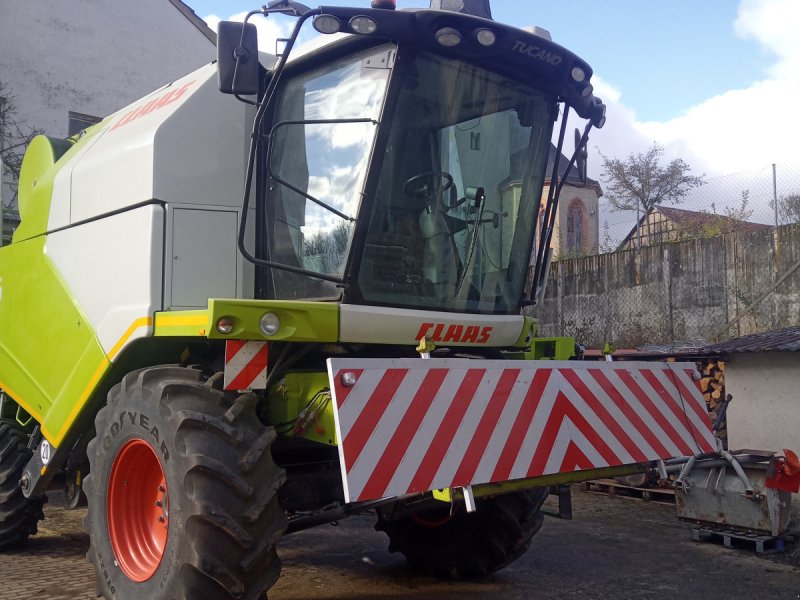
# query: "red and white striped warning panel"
{"type": "Point", "coordinates": [245, 365]}
{"type": "Point", "coordinates": [413, 425]}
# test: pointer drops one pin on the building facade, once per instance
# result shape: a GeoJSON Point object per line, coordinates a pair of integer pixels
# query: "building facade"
{"type": "Point", "coordinates": [577, 228]}
{"type": "Point", "coordinates": [67, 65]}
{"type": "Point", "coordinates": [663, 224]}
{"type": "Point", "coordinates": [762, 376]}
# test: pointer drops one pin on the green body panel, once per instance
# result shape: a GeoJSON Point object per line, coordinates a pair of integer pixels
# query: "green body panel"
{"type": "Point", "coordinates": [36, 186]}
{"type": "Point", "coordinates": [493, 489]}
{"type": "Point", "coordinates": [300, 405]}
{"type": "Point", "coordinates": [552, 348]}
{"type": "Point", "coordinates": [529, 330]}
{"type": "Point", "coordinates": [301, 321]}
{"type": "Point", "coordinates": [50, 359]}
{"type": "Point", "coordinates": [182, 323]}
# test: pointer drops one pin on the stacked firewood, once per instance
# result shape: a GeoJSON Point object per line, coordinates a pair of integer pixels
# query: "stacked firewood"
{"type": "Point", "coordinates": [712, 382]}
{"type": "Point", "coordinates": [712, 385]}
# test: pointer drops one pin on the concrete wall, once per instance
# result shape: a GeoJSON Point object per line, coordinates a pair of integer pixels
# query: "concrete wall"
{"type": "Point", "coordinates": [765, 411]}
{"type": "Point", "coordinates": [92, 57]}
{"type": "Point", "coordinates": [686, 290]}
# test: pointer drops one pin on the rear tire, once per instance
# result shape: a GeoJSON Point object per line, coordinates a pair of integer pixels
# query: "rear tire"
{"type": "Point", "coordinates": [182, 491]}
{"type": "Point", "coordinates": [19, 515]}
{"type": "Point", "coordinates": [464, 545]}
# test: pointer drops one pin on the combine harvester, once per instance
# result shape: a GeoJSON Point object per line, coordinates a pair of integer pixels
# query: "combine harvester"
{"type": "Point", "coordinates": [228, 316]}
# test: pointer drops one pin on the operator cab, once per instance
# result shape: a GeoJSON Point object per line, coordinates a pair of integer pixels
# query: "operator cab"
{"type": "Point", "coordinates": [400, 170]}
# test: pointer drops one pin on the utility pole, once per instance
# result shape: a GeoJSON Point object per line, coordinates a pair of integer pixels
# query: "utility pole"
{"type": "Point", "coordinates": [775, 193]}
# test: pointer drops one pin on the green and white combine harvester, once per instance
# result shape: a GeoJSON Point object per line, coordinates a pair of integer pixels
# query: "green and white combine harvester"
{"type": "Point", "coordinates": [229, 316]}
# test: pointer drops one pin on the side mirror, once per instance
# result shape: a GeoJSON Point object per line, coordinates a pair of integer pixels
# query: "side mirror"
{"type": "Point", "coordinates": [237, 58]}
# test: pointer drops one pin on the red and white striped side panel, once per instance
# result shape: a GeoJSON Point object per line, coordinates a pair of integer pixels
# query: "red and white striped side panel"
{"type": "Point", "coordinates": [413, 425]}
{"type": "Point", "coordinates": [245, 365]}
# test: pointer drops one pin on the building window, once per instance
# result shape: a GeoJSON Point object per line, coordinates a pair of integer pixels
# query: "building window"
{"type": "Point", "coordinates": [78, 122]}
{"type": "Point", "coordinates": [575, 227]}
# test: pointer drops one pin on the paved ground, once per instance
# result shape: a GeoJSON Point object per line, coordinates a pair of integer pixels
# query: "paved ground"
{"type": "Point", "coordinates": [614, 548]}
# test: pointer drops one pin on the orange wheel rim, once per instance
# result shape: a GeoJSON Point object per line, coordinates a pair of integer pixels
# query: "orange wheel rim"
{"type": "Point", "coordinates": [137, 507]}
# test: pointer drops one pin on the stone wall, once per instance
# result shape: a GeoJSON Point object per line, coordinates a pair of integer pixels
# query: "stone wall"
{"type": "Point", "coordinates": [689, 290]}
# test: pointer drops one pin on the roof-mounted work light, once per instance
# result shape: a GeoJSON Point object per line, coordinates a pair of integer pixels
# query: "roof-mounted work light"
{"type": "Point", "coordinates": [363, 25]}
{"type": "Point", "coordinates": [448, 36]}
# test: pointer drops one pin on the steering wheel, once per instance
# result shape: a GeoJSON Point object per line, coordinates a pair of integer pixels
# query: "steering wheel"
{"type": "Point", "coordinates": [426, 184]}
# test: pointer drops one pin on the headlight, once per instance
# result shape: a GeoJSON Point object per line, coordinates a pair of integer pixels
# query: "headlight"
{"type": "Point", "coordinates": [225, 325]}
{"type": "Point", "coordinates": [269, 324]}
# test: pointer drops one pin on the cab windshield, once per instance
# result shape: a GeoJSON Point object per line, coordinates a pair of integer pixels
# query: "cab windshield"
{"type": "Point", "coordinates": [452, 220]}
{"type": "Point", "coordinates": [447, 196]}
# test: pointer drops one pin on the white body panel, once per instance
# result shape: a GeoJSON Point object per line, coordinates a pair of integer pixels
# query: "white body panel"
{"type": "Point", "coordinates": [113, 266]}
{"type": "Point", "coordinates": [182, 148]}
{"type": "Point", "coordinates": [202, 260]}
{"type": "Point", "coordinates": [183, 143]}
{"type": "Point", "coordinates": [358, 324]}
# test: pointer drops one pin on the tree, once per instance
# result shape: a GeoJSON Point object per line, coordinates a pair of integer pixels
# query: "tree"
{"type": "Point", "coordinates": [640, 182]}
{"type": "Point", "coordinates": [732, 218]}
{"type": "Point", "coordinates": [789, 208]}
{"type": "Point", "coordinates": [14, 139]}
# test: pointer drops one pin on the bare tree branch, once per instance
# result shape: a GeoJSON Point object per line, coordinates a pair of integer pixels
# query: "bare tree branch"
{"type": "Point", "coordinates": [14, 138]}
{"type": "Point", "coordinates": [641, 178]}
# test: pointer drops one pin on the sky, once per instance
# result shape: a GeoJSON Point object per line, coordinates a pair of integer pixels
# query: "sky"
{"type": "Point", "coordinates": [715, 82]}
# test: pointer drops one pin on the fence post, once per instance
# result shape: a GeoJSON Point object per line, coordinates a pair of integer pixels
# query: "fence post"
{"type": "Point", "coordinates": [666, 277]}
{"type": "Point", "coordinates": [560, 296]}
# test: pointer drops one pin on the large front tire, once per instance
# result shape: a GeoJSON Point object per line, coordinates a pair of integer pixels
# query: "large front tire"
{"type": "Point", "coordinates": [18, 515]}
{"type": "Point", "coordinates": [182, 491]}
{"type": "Point", "coordinates": [461, 544]}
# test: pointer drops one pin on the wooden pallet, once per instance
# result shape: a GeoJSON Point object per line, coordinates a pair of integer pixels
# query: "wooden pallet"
{"type": "Point", "coordinates": [731, 538]}
{"type": "Point", "coordinates": [610, 487]}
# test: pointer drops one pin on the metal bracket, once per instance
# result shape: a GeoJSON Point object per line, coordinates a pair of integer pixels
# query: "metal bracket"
{"type": "Point", "coordinates": [748, 486]}
{"type": "Point", "coordinates": [426, 346]}
{"type": "Point", "coordinates": [469, 499]}
{"type": "Point", "coordinates": [43, 465]}
{"type": "Point", "coordinates": [687, 468]}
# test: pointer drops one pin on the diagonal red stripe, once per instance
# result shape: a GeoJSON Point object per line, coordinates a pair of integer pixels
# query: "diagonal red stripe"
{"type": "Point", "coordinates": [693, 397]}
{"type": "Point", "coordinates": [701, 437]}
{"type": "Point", "coordinates": [523, 421]}
{"type": "Point", "coordinates": [232, 348]}
{"type": "Point", "coordinates": [574, 460]}
{"type": "Point", "coordinates": [480, 439]}
{"type": "Point", "coordinates": [398, 445]}
{"type": "Point", "coordinates": [623, 404]}
{"type": "Point", "coordinates": [343, 391]}
{"type": "Point", "coordinates": [435, 453]}
{"type": "Point", "coordinates": [659, 417]}
{"type": "Point", "coordinates": [562, 409]}
{"type": "Point", "coordinates": [244, 379]}
{"type": "Point", "coordinates": [594, 403]}
{"type": "Point", "coordinates": [366, 422]}
{"type": "Point", "coordinates": [673, 403]}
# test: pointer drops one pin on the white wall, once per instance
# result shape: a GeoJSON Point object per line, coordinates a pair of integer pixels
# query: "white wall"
{"type": "Point", "coordinates": [765, 411]}
{"type": "Point", "coordinates": [92, 57]}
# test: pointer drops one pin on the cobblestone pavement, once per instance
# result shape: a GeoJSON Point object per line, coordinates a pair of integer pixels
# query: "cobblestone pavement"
{"type": "Point", "coordinates": [615, 548]}
{"type": "Point", "coordinates": [53, 565]}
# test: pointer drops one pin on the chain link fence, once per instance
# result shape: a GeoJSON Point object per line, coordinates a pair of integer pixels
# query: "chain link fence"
{"type": "Point", "coordinates": [769, 195]}
{"type": "Point", "coordinates": [717, 267]}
